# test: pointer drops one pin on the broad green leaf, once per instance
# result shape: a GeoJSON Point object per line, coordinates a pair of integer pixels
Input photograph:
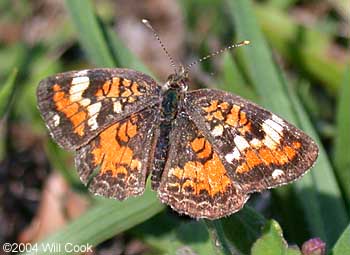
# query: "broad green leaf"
{"type": "Point", "coordinates": [342, 246]}
{"type": "Point", "coordinates": [272, 242]}
{"type": "Point", "coordinates": [103, 221]}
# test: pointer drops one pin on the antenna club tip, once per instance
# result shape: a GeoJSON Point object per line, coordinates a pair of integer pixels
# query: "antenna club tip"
{"type": "Point", "coordinates": [246, 42]}
{"type": "Point", "coordinates": [144, 21]}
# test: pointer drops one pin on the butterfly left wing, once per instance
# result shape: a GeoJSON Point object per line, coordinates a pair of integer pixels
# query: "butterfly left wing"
{"type": "Point", "coordinates": [259, 149]}
{"type": "Point", "coordinates": [195, 180]}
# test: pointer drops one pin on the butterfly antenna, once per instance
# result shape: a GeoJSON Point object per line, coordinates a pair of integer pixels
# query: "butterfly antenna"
{"type": "Point", "coordinates": [148, 24]}
{"type": "Point", "coordinates": [188, 67]}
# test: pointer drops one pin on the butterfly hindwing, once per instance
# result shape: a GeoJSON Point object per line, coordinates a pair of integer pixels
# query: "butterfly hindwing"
{"type": "Point", "coordinates": [115, 163]}
{"type": "Point", "coordinates": [78, 105]}
{"type": "Point", "coordinates": [259, 149]}
{"type": "Point", "coordinates": [195, 181]}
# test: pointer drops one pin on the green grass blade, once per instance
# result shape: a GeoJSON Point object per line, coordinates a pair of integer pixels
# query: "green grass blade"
{"type": "Point", "coordinates": [6, 92]}
{"type": "Point", "coordinates": [342, 246]}
{"type": "Point", "coordinates": [6, 95]}
{"type": "Point", "coordinates": [324, 185]}
{"type": "Point", "coordinates": [342, 139]}
{"type": "Point", "coordinates": [103, 221]}
{"type": "Point", "coordinates": [123, 55]}
{"type": "Point", "coordinates": [301, 45]}
{"type": "Point", "coordinates": [90, 34]}
{"type": "Point", "coordinates": [320, 185]}
{"type": "Point", "coordinates": [233, 81]}
{"type": "Point", "coordinates": [218, 237]}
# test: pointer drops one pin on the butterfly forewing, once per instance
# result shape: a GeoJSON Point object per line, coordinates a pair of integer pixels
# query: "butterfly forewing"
{"type": "Point", "coordinates": [259, 149]}
{"type": "Point", "coordinates": [78, 105]}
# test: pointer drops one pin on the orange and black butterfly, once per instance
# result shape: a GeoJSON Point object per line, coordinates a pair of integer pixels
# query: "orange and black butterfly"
{"type": "Point", "coordinates": [206, 150]}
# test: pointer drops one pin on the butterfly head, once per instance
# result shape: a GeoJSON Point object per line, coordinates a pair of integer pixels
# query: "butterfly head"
{"type": "Point", "coordinates": [178, 80]}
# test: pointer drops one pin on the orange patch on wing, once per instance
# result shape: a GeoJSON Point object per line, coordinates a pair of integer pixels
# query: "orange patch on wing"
{"type": "Point", "coordinates": [224, 105]}
{"type": "Point", "coordinates": [242, 168]}
{"type": "Point", "coordinates": [114, 91]}
{"type": "Point", "coordinates": [246, 128]}
{"type": "Point", "coordinates": [104, 90]}
{"type": "Point", "coordinates": [232, 118]}
{"type": "Point", "coordinates": [126, 131]}
{"type": "Point", "coordinates": [212, 107]}
{"type": "Point", "coordinates": [126, 83]}
{"type": "Point", "coordinates": [135, 90]}
{"type": "Point", "coordinates": [109, 89]}
{"type": "Point", "coordinates": [197, 144]}
{"type": "Point", "coordinates": [116, 158]}
{"type": "Point", "coordinates": [280, 156]}
{"type": "Point", "coordinates": [296, 145]}
{"type": "Point", "coordinates": [218, 115]}
{"type": "Point", "coordinates": [252, 158]}
{"type": "Point", "coordinates": [210, 176]}
{"type": "Point", "coordinates": [290, 152]}
{"type": "Point", "coordinates": [205, 153]}
{"type": "Point", "coordinates": [267, 156]}
{"type": "Point", "coordinates": [126, 93]}
{"type": "Point", "coordinates": [131, 130]}
{"type": "Point", "coordinates": [135, 164]}
{"type": "Point", "coordinates": [70, 109]}
{"type": "Point", "coordinates": [243, 118]}
{"type": "Point", "coordinates": [77, 121]}
{"type": "Point", "coordinates": [122, 132]}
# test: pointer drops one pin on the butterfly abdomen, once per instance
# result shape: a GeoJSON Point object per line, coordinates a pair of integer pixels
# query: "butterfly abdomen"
{"type": "Point", "coordinates": [169, 110]}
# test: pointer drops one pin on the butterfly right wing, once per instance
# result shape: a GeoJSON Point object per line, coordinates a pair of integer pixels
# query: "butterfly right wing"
{"type": "Point", "coordinates": [115, 163]}
{"type": "Point", "coordinates": [77, 105]}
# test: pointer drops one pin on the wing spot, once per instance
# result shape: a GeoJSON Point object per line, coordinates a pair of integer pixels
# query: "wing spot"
{"type": "Point", "coordinates": [56, 120]}
{"type": "Point", "coordinates": [277, 173]}
{"type": "Point", "coordinates": [117, 107]}
{"type": "Point", "coordinates": [217, 131]}
{"type": "Point", "coordinates": [241, 143]}
{"type": "Point", "coordinates": [232, 118]}
{"type": "Point", "coordinates": [234, 155]}
{"type": "Point", "coordinates": [212, 107]}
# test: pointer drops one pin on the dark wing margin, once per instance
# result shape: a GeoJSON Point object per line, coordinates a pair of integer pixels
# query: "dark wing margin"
{"type": "Point", "coordinates": [259, 149]}
{"type": "Point", "coordinates": [114, 164]}
{"type": "Point", "coordinates": [78, 105]}
{"type": "Point", "coordinates": [194, 181]}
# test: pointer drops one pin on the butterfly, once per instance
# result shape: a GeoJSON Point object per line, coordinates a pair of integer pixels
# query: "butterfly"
{"type": "Point", "coordinates": [205, 150]}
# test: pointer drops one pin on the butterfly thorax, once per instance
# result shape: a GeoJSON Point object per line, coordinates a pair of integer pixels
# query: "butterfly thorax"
{"type": "Point", "coordinates": [172, 95]}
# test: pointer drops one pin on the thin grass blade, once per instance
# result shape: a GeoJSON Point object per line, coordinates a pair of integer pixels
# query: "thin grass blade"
{"type": "Point", "coordinates": [90, 34]}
